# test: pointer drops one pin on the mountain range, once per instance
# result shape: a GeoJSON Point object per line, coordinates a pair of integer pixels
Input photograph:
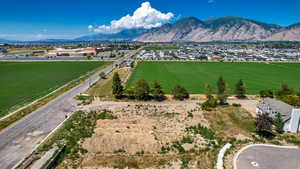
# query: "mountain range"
{"type": "Point", "coordinates": [228, 28]}
{"type": "Point", "coordinates": [191, 29]}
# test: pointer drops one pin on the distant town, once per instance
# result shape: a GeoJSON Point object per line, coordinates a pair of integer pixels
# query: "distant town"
{"type": "Point", "coordinates": [235, 52]}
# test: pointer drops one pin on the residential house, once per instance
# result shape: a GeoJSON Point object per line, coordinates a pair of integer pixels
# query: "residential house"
{"type": "Point", "coordinates": [290, 114]}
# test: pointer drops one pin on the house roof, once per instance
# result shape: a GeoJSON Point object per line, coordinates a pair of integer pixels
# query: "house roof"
{"type": "Point", "coordinates": [278, 106]}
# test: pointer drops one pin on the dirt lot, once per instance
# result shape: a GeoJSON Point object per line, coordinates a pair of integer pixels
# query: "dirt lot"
{"type": "Point", "coordinates": [149, 136]}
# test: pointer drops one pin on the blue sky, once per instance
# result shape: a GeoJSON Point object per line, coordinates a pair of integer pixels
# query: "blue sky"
{"type": "Point", "coordinates": [41, 19]}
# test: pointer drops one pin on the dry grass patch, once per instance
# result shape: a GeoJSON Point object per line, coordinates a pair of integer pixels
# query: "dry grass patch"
{"type": "Point", "coordinates": [103, 88]}
{"type": "Point", "coordinates": [136, 137]}
{"type": "Point", "coordinates": [231, 122]}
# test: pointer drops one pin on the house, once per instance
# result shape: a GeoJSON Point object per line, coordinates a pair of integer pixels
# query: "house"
{"type": "Point", "coordinates": [290, 114]}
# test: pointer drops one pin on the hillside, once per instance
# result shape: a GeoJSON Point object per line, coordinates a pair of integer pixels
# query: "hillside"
{"type": "Point", "coordinates": [221, 29]}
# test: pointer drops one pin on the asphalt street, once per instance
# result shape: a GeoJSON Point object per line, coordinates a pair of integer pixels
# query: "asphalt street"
{"type": "Point", "coordinates": [266, 157]}
{"type": "Point", "coordinates": [20, 139]}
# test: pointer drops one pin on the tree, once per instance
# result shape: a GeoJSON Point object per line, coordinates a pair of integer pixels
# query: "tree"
{"type": "Point", "coordinates": [207, 90]}
{"type": "Point", "coordinates": [222, 97]}
{"type": "Point", "coordinates": [278, 122]}
{"type": "Point", "coordinates": [240, 89]}
{"type": "Point", "coordinates": [117, 86]}
{"type": "Point", "coordinates": [180, 93]}
{"type": "Point", "coordinates": [263, 122]}
{"type": "Point", "coordinates": [142, 90]}
{"type": "Point", "coordinates": [221, 85]}
{"type": "Point", "coordinates": [266, 93]}
{"type": "Point", "coordinates": [285, 90]}
{"type": "Point", "coordinates": [157, 92]}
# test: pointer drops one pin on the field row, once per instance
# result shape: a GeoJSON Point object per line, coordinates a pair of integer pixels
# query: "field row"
{"type": "Point", "coordinates": [194, 75]}
{"type": "Point", "coordinates": [22, 82]}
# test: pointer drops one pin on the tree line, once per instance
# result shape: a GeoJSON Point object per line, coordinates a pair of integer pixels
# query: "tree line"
{"type": "Point", "coordinates": [143, 91]}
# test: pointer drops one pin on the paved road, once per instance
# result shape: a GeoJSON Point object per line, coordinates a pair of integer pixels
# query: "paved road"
{"type": "Point", "coordinates": [266, 157]}
{"type": "Point", "coordinates": [21, 138]}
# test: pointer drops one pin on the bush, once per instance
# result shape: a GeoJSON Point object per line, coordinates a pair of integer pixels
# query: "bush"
{"type": "Point", "coordinates": [236, 105]}
{"type": "Point", "coordinates": [285, 90]}
{"type": "Point", "coordinates": [210, 103]}
{"type": "Point", "coordinates": [266, 93]}
{"type": "Point", "coordinates": [290, 99]}
{"type": "Point", "coordinates": [203, 131]}
{"type": "Point", "coordinates": [106, 115]}
{"type": "Point", "coordinates": [180, 93]}
{"type": "Point", "coordinates": [130, 93]}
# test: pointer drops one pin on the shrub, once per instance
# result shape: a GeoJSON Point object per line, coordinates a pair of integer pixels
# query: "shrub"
{"type": "Point", "coordinates": [106, 115]}
{"type": "Point", "coordinates": [266, 93]}
{"type": "Point", "coordinates": [210, 103]}
{"type": "Point", "coordinates": [236, 105]}
{"type": "Point", "coordinates": [285, 90]}
{"type": "Point", "coordinates": [203, 131]}
{"type": "Point", "coordinates": [180, 93]}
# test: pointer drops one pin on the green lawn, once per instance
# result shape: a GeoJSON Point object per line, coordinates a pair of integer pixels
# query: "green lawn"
{"type": "Point", "coordinates": [22, 82]}
{"type": "Point", "coordinates": [194, 75]}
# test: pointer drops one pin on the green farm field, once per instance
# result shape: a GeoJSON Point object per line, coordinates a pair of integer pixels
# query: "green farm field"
{"type": "Point", "coordinates": [23, 82]}
{"type": "Point", "coordinates": [194, 75]}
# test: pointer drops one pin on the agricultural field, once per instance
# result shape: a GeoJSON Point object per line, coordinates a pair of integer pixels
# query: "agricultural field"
{"type": "Point", "coordinates": [194, 75]}
{"type": "Point", "coordinates": [23, 82]}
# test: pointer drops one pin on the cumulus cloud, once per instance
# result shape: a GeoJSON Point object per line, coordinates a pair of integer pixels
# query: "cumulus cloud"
{"type": "Point", "coordinates": [143, 17]}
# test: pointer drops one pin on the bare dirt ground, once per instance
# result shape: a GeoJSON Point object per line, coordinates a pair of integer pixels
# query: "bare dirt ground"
{"type": "Point", "coordinates": [135, 139]}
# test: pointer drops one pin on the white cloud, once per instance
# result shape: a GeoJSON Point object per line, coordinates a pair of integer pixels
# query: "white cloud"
{"type": "Point", "coordinates": [211, 1]}
{"type": "Point", "coordinates": [143, 17]}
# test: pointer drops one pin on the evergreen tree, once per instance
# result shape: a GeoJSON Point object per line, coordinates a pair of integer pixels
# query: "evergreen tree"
{"type": "Point", "coordinates": [117, 86]}
{"type": "Point", "coordinates": [240, 89]}
{"type": "Point", "coordinates": [142, 90]}
{"type": "Point", "coordinates": [221, 85]}
{"type": "Point", "coordinates": [278, 122]}
{"type": "Point", "coordinates": [180, 93]}
{"type": "Point", "coordinates": [157, 92]}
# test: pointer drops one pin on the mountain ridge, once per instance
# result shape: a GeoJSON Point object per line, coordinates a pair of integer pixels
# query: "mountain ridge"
{"type": "Point", "coordinates": [227, 28]}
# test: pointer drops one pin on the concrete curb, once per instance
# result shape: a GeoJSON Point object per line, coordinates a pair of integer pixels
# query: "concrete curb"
{"type": "Point", "coordinates": [220, 162]}
{"type": "Point", "coordinates": [236, 156]}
